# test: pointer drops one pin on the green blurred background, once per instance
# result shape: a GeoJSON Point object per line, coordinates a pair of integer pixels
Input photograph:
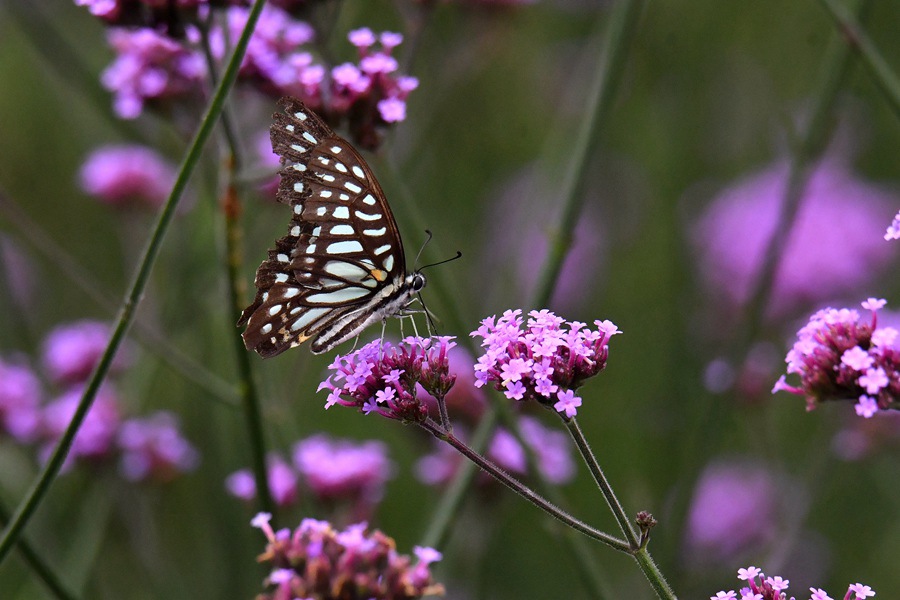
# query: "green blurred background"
{"type": "Point", "coordinates": [709, 91]}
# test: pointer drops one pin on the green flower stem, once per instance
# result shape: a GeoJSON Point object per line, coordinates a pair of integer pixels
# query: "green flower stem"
{"type": "Point", "coordinates": [807, 148]}
{"type": "Point", "coordinates": [522, 490]}
{"type": "Point", "coordinates": [855, 36]}
{"type": "Point", "coordinates": [623, 23]}
{"type": "Point", "coordinates": [231, 206]}
{"type": "Point", "coordinates": [41, 486]}
{"type": "Point", "coordinates": [600, 479]}
{"type": "Point", "coordinates": [38, 566]}
{"type": "Point", "coordinates": [641, 555]}
{"type": "Point", "coordinates": [621, 28]}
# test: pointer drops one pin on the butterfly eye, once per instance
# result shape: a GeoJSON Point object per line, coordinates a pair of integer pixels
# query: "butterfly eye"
{"type": "Point", "coordinates": [418, 281]}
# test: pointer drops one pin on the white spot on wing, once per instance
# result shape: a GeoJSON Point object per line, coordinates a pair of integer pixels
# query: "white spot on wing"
{"type": "Point", "coordinates": [340, 295]}
{"type": "Point", "coordinates": [352, 187]}
{"type": "Point", "coordinates": [345, 270]}
{"type": "Point", "coordinates": [298, 208]}
{"type": "Point", "coordinates": [298, 187]}
{"type": "Point", "coordinates": [328, 178]}
{"type": "Point", "coordinates": [341, 230]}
{"type": "Point", "coordinates": [359, 172]}
{"type": "Point", "coordinates": [295, 230]}
{"type": "Point", "coordinates": [375, 232]}
{"type": "Point", "coordinates": [366, 216]}
{"type": "Point", "coordinates": [274, 310]}
{"type": "Point", "coordinates": [266, 328]}
{"type": "Point", "coordinates": [311, 315]}
{"type": "Point", "coordinates": [310, 249]}
{"type": "Point", "coordinates": [382, 249]}
{"type": "Point", "coordinates": [281, 278]}
{"type": "Point", "coordinates": [298, 148]}
{"type": "Point", "coordinates": [300, 115]}
{"type": "Point", "coordinates": [291, 292]}
{"type": "Point", "coordinates": [282, 258]}
{"type": "Point", "coordinates": [344, 247]}
{"type": "Point", "coordinates": [344, 197]}
{"type": "Point", "coordinates": [336, 149]}
{"type": "Point", "coordinates": [369, 199]}
{"type": "Point", "coordinates": [341, 212]}
{"type": "Point", "coordinates": [340, 167]}
{"type": "Point", "coordinates": [388, 262]}
{"type": "Point", "coordinates": [308, 137]}
{"type": "Point", "coordinates": [299, 166]}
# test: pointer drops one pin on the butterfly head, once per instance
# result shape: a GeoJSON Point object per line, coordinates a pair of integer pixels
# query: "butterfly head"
{"type": "Point", "coordinates": [416, 281]}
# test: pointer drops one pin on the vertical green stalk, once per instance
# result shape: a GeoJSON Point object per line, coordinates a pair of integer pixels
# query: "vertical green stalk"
{"type": "Point", "coordinates": [622, 25]}
{"type": "Point", "coordinates": [247, 390]}
{"type": "Point", "coordinates": [41, 486]}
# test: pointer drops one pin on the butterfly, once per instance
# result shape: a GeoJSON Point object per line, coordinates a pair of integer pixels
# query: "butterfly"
{"type": "Point", "coordinates": [341, 267]}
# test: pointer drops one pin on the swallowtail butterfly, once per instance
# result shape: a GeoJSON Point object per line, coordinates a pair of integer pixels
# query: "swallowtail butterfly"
{"type": "Point", "coordinates": [341, 266]}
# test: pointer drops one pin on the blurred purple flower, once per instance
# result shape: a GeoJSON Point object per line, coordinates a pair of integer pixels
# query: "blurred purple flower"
{"type": "Point", "coordinates": [835, 244]}
{"type": "Point", "coordinates": [20, 401]}
{"type": "Point", "coordinates": [551, 448]}
{"type": "Point", "coordinates": [153, 448]}
{"type": "Point", "coordinates": [337, 470]}
{"type": "Point", "coordinates": [315, 560]}
{"type": "Point", "coordinates": [125, 174]}
{"type": "Point", "coordinates": [282, 480]}
{"type": "Point", "coordinates": [734, 509]}
{"type": "Point", "coordinates": [150, 67]}
{"type": "Point", "coordinates": [71, 351]}
{"type": "Point", "coordinates": [97, 436]}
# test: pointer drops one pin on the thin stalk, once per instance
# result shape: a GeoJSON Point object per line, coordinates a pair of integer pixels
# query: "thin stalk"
{"type": "Point", "coordinates": [808, 147]}
{"type": "Point", "coordinates": [856, 38]}
{"type": "Point", "coordinates": [600, 479]}
{"type": "Point", "coordinates": [231, 209]}
{"type": "Point", "coordinates": [622, 25]}
{"type": "Point", "coordinates": [41, 486]}
{"type": "Point", "coordinates": [38, 566]}
{"type": "Point", "coordinates": [522, 490]}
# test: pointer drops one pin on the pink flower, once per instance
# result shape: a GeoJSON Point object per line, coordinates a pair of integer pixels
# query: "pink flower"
{"type": "Point", "coordinates": [120, 175]}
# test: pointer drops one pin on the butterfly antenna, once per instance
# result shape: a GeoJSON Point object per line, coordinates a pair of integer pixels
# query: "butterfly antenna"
{"type": "Point", "coordinates": [446, 260]}
{"type": "Point", "coordinates": [425, 243]}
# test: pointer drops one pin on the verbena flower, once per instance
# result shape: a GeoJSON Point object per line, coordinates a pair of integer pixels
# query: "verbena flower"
{"type": "Point", "coordinates": [21, 396]}
{"type": "Point", "coordinates": [151, 67]}
{"type": "Point", "coordinates": [381, 378]}
{"type": "Point", "coordinates": [893, 230]}
{"type": "Point", "coordinates": [121, 175]}
{"type": "Point", "coordinates": [735, 509]}
{"type": "Point", "coordinates": [839, 356]}
{"type": "Point", "coordinates": [834, 245]}
{"type": "Point", "coordinates": [71, 351]}
{"type": "Point", "coordinates": [760, 587]}
{"type": "Point", "coordinates": [96, 439]}
{"type": "Point", "coordinates": [153, 448]}
{"type": "Point", "coordinates": [282, 479]}
{"type": "Point", "coordinates": [552, 450]}
{"type": "Point", "coordinates": [546, 361]}
{"type": "Point", "coordinates": [343, 470]}
{"type": "Point", "coordinates": [318, 562]}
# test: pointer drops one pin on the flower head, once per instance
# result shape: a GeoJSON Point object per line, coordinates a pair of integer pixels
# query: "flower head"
{"type": "Point", "coordinates": [342, 469]}
{"type": "Point", "coordinates": [20, 400]}
{"type": "Point", "coordinates": [371, 380]}
{"type": "Point", "coordinates": [96, 439]}
{"type": "Point", "coordinates": [760, 587]}
{"type": "Point", "coordinates": [840, 356]}
{"type": "Point", "coordinates": [834, 244]}
{"type": "Point", "coordinates": [71, 351]}
{"type": "Point", "coordinates": [121, 174]}
{"type": "Point", "coordinates": [545, 361]}
{"type": "Point", "coordinates": [318, 561]}
{"type": "Point", "coordinates": [893, 230]}
{"type": "Point", "coordinates": [153, 448]}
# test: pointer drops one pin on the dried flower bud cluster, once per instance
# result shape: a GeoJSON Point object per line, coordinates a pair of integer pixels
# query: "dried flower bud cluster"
{"type": "Point", "coordinates": [838, 356]}
{"type": "Point", "coordinates": [546, 361]}
{"type": "Point", "coordinates": [318, 562]}
{"type": "Point", "coordinates": [381, 377]}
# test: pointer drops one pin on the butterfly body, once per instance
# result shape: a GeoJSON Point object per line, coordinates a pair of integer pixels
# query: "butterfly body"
{"type": "Point", "coordinates": [342, 266]}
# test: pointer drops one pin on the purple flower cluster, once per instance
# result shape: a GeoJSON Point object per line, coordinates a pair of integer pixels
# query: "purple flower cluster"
{"type": "Point", "coordinates": [760, 587]}
{"type": "Point", "coordinates": [121, 175]}
{"type": "Point", "coordinates": [318, 561]}
{"type": "Point", "coordinates": [151, 68]}
{"type": "Point", "coordinates": [893, 230]}
{"type": "Point", "coordinates": [551, 448]}
{"type": "Point", "coordinates": [381, 377]}
{"type": "Point", "coordinates": [840, 357]}
{"type": "Point", "coordinates": [146, 449]}
{"type": "Point", "coordinates": [159, 62]}
{"type": "Point", "coordinates": [546, 361]}
{"type": "Point", "coordinates": [335, 471]}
